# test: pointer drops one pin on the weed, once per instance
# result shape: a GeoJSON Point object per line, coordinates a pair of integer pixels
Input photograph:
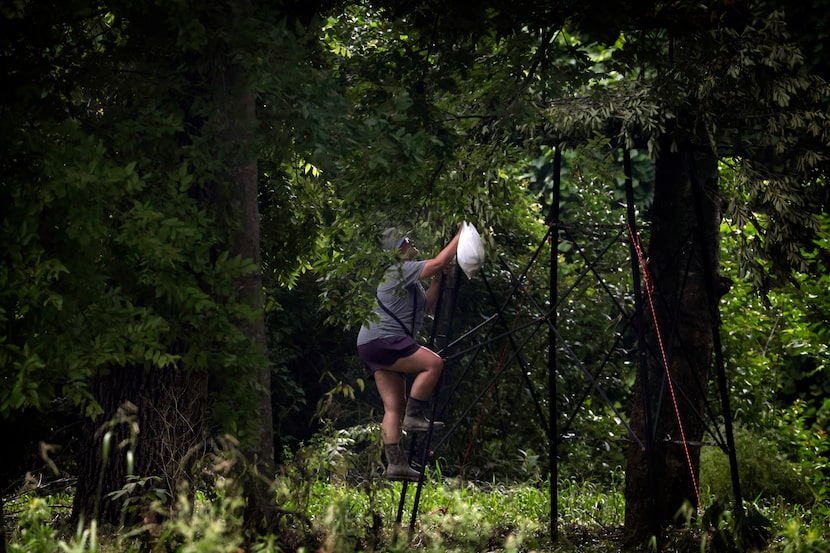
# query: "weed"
{"type": "Point", "coordinates": [328, 503]}
{"type": "Point", "coordinates": [763, 470]}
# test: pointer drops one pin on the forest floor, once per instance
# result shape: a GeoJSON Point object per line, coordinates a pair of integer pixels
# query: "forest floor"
{"type": "Point", "coordinates": [331, 516]}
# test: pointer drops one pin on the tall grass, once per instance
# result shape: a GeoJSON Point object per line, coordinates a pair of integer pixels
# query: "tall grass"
{"type": "Point", "coordinates": [331, 498]}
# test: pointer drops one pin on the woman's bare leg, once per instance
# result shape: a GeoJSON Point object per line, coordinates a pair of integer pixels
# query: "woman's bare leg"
{"type": "Point", "coordinates": [392, 389]}
{"type": "Point", "coordinates": [427, 366]}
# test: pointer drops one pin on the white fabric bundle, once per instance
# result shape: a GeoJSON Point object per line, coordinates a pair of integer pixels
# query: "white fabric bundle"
{"type": "Point", "coordinates": [470, 254]}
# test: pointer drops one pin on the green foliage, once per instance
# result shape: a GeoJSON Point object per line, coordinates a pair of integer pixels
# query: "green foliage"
{"type": "Point", "coordinates": [35, 534]}
{"type": "Point", "coordinates": [801, 539]}
{"type": "Point", "coordinates": [453, 517]}
{"type": "Point", "coordinates": [804, 437]}
{"type": "Point", "coordinates": [776, 353]}
{"type": "Point", "coordinates": [117, 227]}
{"type": "Point", "coordinates": [765, 472]}
{"type": "Point", "coordinates": [728, 531]}
{"type": "Point", "coordinates": [116, 244]}
{"type": "Point", "coordinates": [308, 359]}
{"type": "Point", "coordinates": [214, 526]}
{"type": "Point", "coordinates": [584, 502]}
{"type": "Point", "coordinates": [739, 85]}
{"type": "Point", "coordinates": [321, 507]}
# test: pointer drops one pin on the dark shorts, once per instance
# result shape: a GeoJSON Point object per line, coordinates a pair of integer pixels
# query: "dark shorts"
{"type": "Point", "coordinates": [382, 353]}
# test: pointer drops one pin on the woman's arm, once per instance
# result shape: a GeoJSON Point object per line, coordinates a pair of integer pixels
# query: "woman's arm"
{"type": "Point", "coordinates": [432, 294]}
{"type": "Point", "coordinates": [436, 265]}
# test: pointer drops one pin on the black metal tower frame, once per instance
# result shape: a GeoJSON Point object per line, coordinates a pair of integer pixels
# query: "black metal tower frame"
{"type": "Point", "coordinates": [451, 349]}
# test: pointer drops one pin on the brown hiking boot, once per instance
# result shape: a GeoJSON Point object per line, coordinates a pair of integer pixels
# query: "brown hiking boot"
{"type": "Point", "coordinates": [397, 468]}
{"type": "Point", "coordinates": [415, 419]}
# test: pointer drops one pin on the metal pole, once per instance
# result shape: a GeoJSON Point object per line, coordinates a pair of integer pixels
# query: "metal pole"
{"type": "Point", "coordinates": [405, 484]}
{"type": "Point", "coordinates": [436, 393]}
{"type": "Point", "coordinates": [723, 388]}
{"type": "Point", "coordinates": [553, 220]}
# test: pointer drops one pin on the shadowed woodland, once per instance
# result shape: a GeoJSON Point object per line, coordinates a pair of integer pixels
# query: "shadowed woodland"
{"type": "Point", "coordinates": [193, 202]}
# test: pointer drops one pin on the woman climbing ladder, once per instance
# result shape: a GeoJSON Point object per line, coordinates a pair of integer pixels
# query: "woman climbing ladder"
{"type": "Point", "coordinates": [389, 351]}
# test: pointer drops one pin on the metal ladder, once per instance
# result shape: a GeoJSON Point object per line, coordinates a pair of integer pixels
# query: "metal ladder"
{"type": "Point", "coordinates": [419, 443]}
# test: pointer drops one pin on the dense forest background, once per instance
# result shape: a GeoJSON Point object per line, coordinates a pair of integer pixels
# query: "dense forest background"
{"type": "Point", "coordinates": [193, 197]}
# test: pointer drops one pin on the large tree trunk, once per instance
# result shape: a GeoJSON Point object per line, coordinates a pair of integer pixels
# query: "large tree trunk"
{"type": "Point", "coordinates": [157, 417]}
{"type": "Point", "coordinates": [237, 104]}
{"type": "Point", "coordinates": [250, 291]}
{"type": "Point", "coordinates": [662, 477]}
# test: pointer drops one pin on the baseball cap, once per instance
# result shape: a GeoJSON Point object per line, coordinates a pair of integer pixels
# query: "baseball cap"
{"type": "Point", "coordinates": [392, 238]}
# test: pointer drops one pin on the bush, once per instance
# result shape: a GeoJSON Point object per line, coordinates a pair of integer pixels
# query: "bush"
{"type": "Point", "coordinates": [34, 531]}
{"type": "Point", "coordinates": [327, 501]}
{"type": "Point", "coordinates": [764, 472]}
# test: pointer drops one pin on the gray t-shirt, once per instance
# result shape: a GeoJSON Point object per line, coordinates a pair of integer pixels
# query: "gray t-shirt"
{"type": "Point", "coordinates": [402, 293]}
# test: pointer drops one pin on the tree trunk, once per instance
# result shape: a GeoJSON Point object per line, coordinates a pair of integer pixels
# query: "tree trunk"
{"type": "Point", "coordinates": [662, 479]}
{"type": "Point", "coordinates": [238, 105]}
{"type": "Point", "coordinates": [250, 291]}
{"type": "Point", "coordinates": [157, 417]}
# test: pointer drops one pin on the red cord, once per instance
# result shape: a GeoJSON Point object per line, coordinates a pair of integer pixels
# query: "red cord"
{"type": "Point", "coordinates": [649, 289]}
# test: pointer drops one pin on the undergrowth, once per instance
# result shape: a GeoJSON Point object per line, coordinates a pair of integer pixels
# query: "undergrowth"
{"type": "Point", "coordinates": [331, 499]}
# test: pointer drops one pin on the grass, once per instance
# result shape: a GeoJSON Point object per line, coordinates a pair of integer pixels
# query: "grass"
{"type": "Point", "coordinates": [327, 504]}
{"type": "Point", "coordinates": [453, 516]}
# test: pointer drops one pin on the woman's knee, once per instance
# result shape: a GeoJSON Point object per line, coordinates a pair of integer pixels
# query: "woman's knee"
{"type": "Point", "coordinates": [436, 364]}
